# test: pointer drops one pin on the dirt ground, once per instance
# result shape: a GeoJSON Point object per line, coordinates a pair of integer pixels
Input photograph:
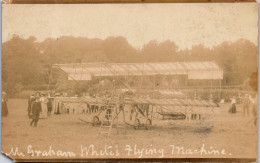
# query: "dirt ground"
{"type": "Point", "coordinates": [233, 136]}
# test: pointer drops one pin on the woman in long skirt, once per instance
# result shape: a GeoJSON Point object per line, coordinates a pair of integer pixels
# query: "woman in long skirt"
{"type": "Point", "coordinates": [233, 108]}
{"type": "Point", "coordinates": [44, 102]}
{"type": "Point", "coordinates": [4, 105]}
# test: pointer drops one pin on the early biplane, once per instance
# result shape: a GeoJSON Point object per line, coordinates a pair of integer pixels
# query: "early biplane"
{"type": "Point", "coordinates": [139, 110]}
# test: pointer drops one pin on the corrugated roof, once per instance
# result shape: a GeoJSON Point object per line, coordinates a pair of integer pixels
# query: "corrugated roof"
{"type": "Point", "coordinates": [110, 69]}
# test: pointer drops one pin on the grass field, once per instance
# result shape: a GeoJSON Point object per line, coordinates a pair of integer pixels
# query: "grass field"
{"type": "Point", "coordinates": [234, 134]}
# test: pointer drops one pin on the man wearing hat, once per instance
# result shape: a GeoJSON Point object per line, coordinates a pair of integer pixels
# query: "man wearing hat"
{"type": "Point", "coordinates": [49, 103]}
{"type": "Point", "coordinates": [30, 101]}
{"type": "Point", "coordinates": [35, 111]}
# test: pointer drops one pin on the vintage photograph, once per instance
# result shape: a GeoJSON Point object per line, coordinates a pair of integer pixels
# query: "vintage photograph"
{"type": "Point", "coordinates": [129, 81]}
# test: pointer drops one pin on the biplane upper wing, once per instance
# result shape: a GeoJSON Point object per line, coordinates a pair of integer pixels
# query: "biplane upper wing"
{"type": "Point", "coordinates": [171, 102]}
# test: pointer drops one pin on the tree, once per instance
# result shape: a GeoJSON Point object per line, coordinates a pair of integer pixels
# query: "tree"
{"type": "Point", "coordinates": [22, 64]}
{"type": "Point", "coordinates": [26, 62]}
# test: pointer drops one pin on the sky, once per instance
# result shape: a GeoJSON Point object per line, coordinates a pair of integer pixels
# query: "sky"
{"type": "Point", "coordinates": [185, 24]}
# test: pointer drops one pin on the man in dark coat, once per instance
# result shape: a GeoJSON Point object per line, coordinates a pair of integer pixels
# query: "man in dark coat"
{"type": "Point", "coordinates": [30, 101]}
{"type": "Point", "coordinates": [35, 111]}
{"type": "Point", "coordinates": [49, 105]}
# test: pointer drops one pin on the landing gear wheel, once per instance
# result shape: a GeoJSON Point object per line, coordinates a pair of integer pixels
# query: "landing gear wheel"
{"type": "Point", "coordinates": [148, 124]}
{"type": "Point", "coordinates": [95, 120]}
{"type": "Point", "coordinates": [137, 124]}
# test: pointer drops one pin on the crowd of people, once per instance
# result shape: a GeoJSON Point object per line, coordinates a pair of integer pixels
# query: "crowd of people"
{"type": "Point", "coordinates": [41, 105]}
{"type": "Point", "coordinates": [247, 101]}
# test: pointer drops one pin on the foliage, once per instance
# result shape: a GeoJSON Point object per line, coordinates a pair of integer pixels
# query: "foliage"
{"type": "Point", "coordinates": [26, 62]}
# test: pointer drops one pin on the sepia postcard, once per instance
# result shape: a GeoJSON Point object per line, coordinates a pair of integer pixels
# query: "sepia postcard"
{"type": "Point", "coordinates": [108, 82]}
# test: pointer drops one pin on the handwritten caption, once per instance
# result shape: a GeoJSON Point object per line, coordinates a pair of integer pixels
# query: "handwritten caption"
{"type": "Point", "coordinates": [114, 151]}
